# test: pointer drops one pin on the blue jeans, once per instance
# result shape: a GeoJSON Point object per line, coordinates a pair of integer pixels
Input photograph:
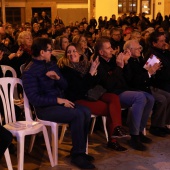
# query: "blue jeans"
{"type": "Point", "coordinates": [141, 104]}
{"type": "Point", "coordinates": [78, 118]}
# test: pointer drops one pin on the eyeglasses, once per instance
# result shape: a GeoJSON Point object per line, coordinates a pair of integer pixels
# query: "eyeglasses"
{"type": "Point", "coordinates": [50, 50]}
{"type": "Point", "coordinates": [139, 48]}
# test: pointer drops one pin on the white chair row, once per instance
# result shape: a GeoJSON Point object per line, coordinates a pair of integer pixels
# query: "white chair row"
{"type": "Point", "coordinates": [20, 128]}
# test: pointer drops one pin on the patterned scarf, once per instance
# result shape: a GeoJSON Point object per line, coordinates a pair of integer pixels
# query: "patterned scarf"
{"type": "Point", "coordinates": [82, 67]}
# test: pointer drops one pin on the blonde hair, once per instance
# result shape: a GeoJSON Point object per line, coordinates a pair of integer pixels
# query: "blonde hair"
{"type": "Point", "coordinates": [22, 35]}
{"type": "Point", "coordinates": [63, 61]}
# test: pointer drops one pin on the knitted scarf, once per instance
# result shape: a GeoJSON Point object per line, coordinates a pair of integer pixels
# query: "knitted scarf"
{"type": "Point", "coordinates": [82, 67]}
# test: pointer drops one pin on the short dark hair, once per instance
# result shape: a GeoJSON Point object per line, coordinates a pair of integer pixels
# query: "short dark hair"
{"type": "Point", "coordinates": [99, 44]}
{"type": "Point", "coordinates": [39, 44]}
{"type": "Point", "coordinates": [154, 36]}
{"type": "Point", "coordinates": [114, 29]}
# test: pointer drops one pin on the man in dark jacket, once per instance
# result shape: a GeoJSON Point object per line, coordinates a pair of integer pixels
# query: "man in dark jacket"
{"type": "Point", "coordinates": [111, 72]}
{"type": "Point", "coordinates": [44, 85]}
{"type": "Point", "coordinates": [116, 40]}
{"type": "Point", "coordinates": [140, 78]}
{"type": "Point", "coordinates": [160, 49]}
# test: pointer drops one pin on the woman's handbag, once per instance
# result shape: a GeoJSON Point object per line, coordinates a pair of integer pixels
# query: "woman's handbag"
{"type": "Point", "coordinates": [95, 93]}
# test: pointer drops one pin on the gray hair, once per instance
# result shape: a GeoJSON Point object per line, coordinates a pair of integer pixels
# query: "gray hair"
{"type": "Point", "coordinates": [128, 44]}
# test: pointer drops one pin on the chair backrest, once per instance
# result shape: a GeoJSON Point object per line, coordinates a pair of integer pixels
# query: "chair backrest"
{"type": "Point", "coordinates": [7, 85]}
{"type": "Point", "coordinates": [6, 68]}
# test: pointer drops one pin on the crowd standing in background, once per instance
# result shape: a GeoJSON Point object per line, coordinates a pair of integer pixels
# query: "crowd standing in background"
{"type": "Point", "coordinates": [110, 52]}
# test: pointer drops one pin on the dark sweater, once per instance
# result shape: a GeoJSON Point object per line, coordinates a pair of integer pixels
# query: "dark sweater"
{"type": "Point", "coordinates": [78, 85]}
{"type": "Point", "coordinates": [162, 77]}
{"type": "Point", "coordinates": [111, 76]}
{"type": "Point", "coordinates": [136, 76]}
{"type": "Point", "coordinates": [41, 90]}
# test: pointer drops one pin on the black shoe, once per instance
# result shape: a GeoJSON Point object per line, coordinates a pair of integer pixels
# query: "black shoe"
{"type": "Point", "coordinates": [144, 139]}
{"type": "Point", "coordinates": [115, 146]}
{"type": "Point", "coordinates": [88, 157]}
{"type": "Point", "coordinates": [137, 145]}
{"type": "Point", "coordinates": [157, 131]}
{"type": "Point", "coordinates": [119, 132]}
{"type": "Point", "coordinates": [165, 130]}
{"type": "Point", "coordinates": [81, 162]}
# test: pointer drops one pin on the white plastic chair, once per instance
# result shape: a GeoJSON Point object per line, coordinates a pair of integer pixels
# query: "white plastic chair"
{"type": "Point", "coordinates": [53, 137]}
{"type": "Point", "coordinates": [20, 128]}
{"type": "Point", "coordinates": [104, 125]}
{"type": "Point", "coordinates": [6, 68]}
{"type": "Point", "coordinates": [8, 160]}
{"type": "Point", "coordinates": [64, 127]}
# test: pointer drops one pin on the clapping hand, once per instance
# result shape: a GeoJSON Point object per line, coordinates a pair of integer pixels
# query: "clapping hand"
{"type": "Point", "coordinates": [53, 75]}
{"type": "Point", "coordinates": [123, 58]}
{"type": "Point", "coordinates": [19, 52]}
{"type": "Point", "coordinates": [152, 69]}
{"type": "Point", "coordinates": [116, 51]}
{"type": "Point", "coordinates": [94, 65]}
{"type": "Point", "coordinates": [126, 56]}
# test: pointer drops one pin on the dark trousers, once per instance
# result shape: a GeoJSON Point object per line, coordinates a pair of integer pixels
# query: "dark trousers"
{"type": "Point", "coordinates": [5, 140]}
{"type": "Point", "coordinates": [161, 111]}
{"type": "Point", "coordinates": [78, 118]}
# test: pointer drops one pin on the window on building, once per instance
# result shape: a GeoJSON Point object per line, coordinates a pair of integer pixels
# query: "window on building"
{"type": "Point", "coordinates": [13, 15]}
{"type": "Point", "coordinates": [146, 6]}
{"type": "Point", "coordinates": [126, 6]}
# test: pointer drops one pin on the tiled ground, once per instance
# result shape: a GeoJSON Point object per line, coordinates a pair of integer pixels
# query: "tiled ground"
{"type": "Point", "coordinates": [156, 158]}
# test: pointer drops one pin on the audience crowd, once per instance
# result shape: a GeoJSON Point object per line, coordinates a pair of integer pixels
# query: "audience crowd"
{"type": "Point", "coordinates": [62, 63]}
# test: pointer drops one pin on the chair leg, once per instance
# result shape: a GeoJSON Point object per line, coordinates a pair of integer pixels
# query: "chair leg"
{"type": "Point", "coordinates": [31, 143]}
{"type": "Point", "coordinates": [104, 125]}
{"type": "Point", "coordinates": [64, 128]}
{"type": "Point", "coordinates": [87, 145]}
{"type": "Point", "coordinates": [54, 142]}
{"type": "Point", "coordinates": [144, 131]}
{"type": "Point", "coordinates": [20, 151]}
{"type": "Point", "coordinates": [92, 124]}
{"type": "Point", "coordinates": [48, 145]}
{"type": "Point", "coordinates": [8, 160]}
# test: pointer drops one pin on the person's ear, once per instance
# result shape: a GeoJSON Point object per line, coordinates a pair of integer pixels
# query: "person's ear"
{"type": "Point", "coordinates": [154, 44]}
{"type": "Point", "coordinates": [42, 52]}
{"type": "Point", "coordinates": [101, 52]}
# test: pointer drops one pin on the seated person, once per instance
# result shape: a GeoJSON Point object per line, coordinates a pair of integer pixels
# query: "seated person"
{"type": "Point", "coordinates": [111, 72]}
{"type": "Point", "coordinates": [5, 140]}
{"type": "Point", "coordinates": [81, 77]}
{"type": "Point", "coordinates": [60, 44]}
{"type": "Point", "coordinates": [140, 78]}
{"type": "Point", "coordinates": [44, 86]}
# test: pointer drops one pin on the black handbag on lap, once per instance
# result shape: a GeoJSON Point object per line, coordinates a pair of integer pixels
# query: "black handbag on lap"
{"type": "Point", "coordinates": [95, 93]}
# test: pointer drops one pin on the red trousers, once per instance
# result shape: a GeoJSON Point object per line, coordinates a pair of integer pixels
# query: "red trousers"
{"type": "Point", "coordinates": [109, 106]}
